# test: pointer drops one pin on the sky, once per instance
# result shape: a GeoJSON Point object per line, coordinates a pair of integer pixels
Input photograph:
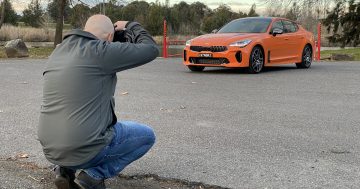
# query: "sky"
{"type": "Point", "coordinates": [236, 5]}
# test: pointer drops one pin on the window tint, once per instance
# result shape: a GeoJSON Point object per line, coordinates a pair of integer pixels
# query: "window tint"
{"type": "Point", "coordinates": [277, 24]}
{"type": "Point", "coordinates": [289, 27]}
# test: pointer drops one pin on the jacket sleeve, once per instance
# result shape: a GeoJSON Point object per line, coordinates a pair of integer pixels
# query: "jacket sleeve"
{"type": "Point", "coordinates": [139, 50]}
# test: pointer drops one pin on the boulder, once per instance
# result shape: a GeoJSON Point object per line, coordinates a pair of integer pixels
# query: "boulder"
{"type": "Point", "coordinates": [342, 57]}
{"type": "Point", "coordinates": [16, 49]}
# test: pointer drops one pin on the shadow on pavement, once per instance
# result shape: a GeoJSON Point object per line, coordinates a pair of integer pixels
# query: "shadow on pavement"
{"type": "Point", "coordinates": [269, 69]}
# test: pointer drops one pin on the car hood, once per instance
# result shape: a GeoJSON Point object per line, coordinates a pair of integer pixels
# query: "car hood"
{"type": "Point", "coordinates": [221, 38]}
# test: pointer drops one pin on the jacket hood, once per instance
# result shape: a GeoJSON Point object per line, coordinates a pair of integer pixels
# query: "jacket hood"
{"type": "Point", "coordinates": [80, 33]}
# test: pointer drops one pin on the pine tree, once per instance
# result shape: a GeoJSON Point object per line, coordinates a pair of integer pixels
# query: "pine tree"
{"type": "Point", "coordinates": [252, 12]}
{"type": "Point", "coordinates": [32, 15]}
{"type": "Point", "coordinates": [8, 15]}
{"type": "Point", "coordinates": [52, 8]}
{"type": "Point", "coordinates": [346, 20]}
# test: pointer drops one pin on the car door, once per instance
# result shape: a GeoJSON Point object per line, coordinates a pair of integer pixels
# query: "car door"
{"type": "Point", "coordinates": [276, 44]}
{"type": "Point", "coordinates": [292, 39]}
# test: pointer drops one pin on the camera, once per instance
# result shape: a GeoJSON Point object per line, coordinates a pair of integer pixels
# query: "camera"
{"type": "Point", "coordinates": [119, 36]}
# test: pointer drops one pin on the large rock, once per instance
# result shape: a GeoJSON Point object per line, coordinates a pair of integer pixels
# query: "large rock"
{"type": "Point", "coordinates": [342, 57]}
{"type": "Point", "coordinates": [16, 49]}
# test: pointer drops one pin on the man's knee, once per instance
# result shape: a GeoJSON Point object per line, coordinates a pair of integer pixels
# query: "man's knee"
{"type": "Point", "coordinates": [151, 134]}
{"type": "Point", "coordinates": [142, 130]}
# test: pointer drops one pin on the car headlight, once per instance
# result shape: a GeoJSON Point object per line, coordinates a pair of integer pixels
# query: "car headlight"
{"type": "Point", "coordinates": [242, 43]}
{"type": "Point", "coordinates": [188, 42]}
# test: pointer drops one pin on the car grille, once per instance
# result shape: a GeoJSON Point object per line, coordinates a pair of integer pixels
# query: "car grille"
{"type": "Point", "coordinates": [209, 60]}
{"type": "Point", "coordinates": [211, 48]}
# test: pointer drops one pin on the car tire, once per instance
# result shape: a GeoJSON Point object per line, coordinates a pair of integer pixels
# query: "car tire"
{"type": "Point", "coordinates": [306, 58]}
{"type": "Point", "coordinates": [196, 68]}
{"type": "Point", "coordinates": [256, 61]}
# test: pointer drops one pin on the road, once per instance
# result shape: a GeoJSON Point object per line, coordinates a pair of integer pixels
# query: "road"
{"type": "Point", "coordinates": [283, 128]}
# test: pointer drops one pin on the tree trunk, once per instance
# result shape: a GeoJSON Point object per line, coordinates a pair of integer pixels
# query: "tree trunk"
{"type": "Point", "coordinates": [59, 22]}
{"type": "Point", "coordinates": [2, 19]}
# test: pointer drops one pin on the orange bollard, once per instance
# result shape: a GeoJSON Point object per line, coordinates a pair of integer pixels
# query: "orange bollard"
{"type": "Point", "coordinates": [165, 55]}
{"type": "Point", "coordinates": [318, 45]}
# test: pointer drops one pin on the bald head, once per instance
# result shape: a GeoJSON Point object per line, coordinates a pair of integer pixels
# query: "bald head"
{"type": "Point", "coordinates": [100, 26]}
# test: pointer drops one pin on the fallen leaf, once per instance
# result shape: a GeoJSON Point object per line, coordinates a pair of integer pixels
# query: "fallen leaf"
{"type": "Point", "coordinates": [125, 93]}
{"type": "Point", "coordinates": [22, 155]}
{"type": "Point", "coordinates": [37, 180]}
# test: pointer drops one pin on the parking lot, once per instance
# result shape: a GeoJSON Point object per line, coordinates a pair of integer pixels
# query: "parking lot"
{"type": "Point", "coordinates": [283, 128]}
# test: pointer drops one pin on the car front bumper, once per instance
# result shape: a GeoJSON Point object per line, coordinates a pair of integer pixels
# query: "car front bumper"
{"type": "Point", "coordinates": [232, 57]}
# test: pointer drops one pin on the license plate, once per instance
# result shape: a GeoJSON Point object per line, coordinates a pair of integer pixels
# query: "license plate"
{"type": "Point", "coordinates": [205, 55]}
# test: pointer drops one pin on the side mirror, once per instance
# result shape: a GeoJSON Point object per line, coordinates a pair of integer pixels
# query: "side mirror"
{"type": "Point", "coordinates": [215, 31]}
{"type": "Point", "coordinates": [277, 31]}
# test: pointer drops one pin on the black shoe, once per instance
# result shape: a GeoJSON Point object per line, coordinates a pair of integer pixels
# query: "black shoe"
{"type": "Point", "coordinates": [64, 178]}
{"type": "Point", "coordinates": [87, 182]}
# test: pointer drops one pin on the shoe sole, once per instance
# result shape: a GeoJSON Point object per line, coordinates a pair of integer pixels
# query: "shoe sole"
{"type": "Point", "coordinates": [80, 184]}
{"type": "Point", "coordinates": [62, 183]}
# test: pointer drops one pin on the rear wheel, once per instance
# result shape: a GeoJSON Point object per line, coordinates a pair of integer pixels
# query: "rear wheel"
{"type": "Point", "coordinates": [306, 59]}
{"type": "Point", "coordinates": [196, 68]}
{"type": "Point", "coordinates": [256, 62]}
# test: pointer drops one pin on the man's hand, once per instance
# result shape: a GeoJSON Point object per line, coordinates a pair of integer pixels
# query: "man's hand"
{"type": "Point", "coordinates": [120, 25]}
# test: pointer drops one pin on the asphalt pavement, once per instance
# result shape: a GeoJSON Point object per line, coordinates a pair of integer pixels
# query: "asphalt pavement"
{"type": "Point", "coordinates": [283, 128]}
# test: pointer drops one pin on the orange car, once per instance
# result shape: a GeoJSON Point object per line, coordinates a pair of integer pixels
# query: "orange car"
{"type": "Point", "coordinates": [253, 43]}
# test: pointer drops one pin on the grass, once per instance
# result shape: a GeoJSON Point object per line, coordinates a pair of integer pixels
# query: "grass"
{"type": "Point", "coordinates": [49, 25]}
{"type": "Point", "coordinates": [27, 34]}
{"type": "Point", "coordinates": [354, 52]}
{"type": "Point", "coordinates": [41, 52]}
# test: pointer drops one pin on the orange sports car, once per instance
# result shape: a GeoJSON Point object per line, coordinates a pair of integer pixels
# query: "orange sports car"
{"type": "Point", "coordinates": [253, 43]}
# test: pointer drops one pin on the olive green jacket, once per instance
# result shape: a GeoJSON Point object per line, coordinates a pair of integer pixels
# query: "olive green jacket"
{"type": "Point", "coordinates": [77, 110]}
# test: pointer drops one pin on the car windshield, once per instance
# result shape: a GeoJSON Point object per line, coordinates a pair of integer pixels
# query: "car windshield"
{"type": "Point", "coordinates": [246, 25]}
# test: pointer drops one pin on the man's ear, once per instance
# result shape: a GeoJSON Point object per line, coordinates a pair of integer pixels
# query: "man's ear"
{"type": "Point", "coordinates": [110, 37]}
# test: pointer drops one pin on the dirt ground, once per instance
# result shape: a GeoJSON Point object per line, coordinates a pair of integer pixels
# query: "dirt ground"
{"type": "Point", "coordinates": [21, 171]}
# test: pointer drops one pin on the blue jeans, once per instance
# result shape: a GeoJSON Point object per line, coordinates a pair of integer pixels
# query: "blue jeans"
{"type": "Point", "coordinates": [131, 141]}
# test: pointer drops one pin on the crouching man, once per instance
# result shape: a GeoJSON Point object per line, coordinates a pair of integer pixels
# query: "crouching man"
{"type": "Point", "coordinates": [78, 129]}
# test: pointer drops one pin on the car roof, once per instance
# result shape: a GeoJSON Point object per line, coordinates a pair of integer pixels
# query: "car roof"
{"type": "Point", "coordinates": [267, 17]}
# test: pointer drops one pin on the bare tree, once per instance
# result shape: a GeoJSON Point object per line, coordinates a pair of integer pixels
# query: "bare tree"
{"type": "Point", "coordinates": [61, 9]}
{"type": "Point", "coordinates": [310, 12]}
{"type": "Point", "coordinates": [2, 19]}
{"type": "Point", "coordinates": [59, 21]}
{"type": "Point", "coordinates": [317, 8]}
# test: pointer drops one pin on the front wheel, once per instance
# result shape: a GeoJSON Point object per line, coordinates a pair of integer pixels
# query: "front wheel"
{"type": "Point", "coordinates": [256, 62]}
{"type": "Point", "coordinates": [196, 68]}
{"type": "Point", "coordinates": [306, 59]}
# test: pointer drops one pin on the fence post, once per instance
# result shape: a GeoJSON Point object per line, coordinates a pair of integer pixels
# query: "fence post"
{"type": "Point", "coordinates": [165, 55]}
{"type": "Point", "coordinates": [318, 45]}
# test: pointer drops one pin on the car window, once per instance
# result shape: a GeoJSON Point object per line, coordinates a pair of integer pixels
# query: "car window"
{"type": "Point", "coordinates": [289, 27]}
{"type": "Point", "coordinates": [277, 24]}
{"type": "Point", "coordinates": [246, 25]}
